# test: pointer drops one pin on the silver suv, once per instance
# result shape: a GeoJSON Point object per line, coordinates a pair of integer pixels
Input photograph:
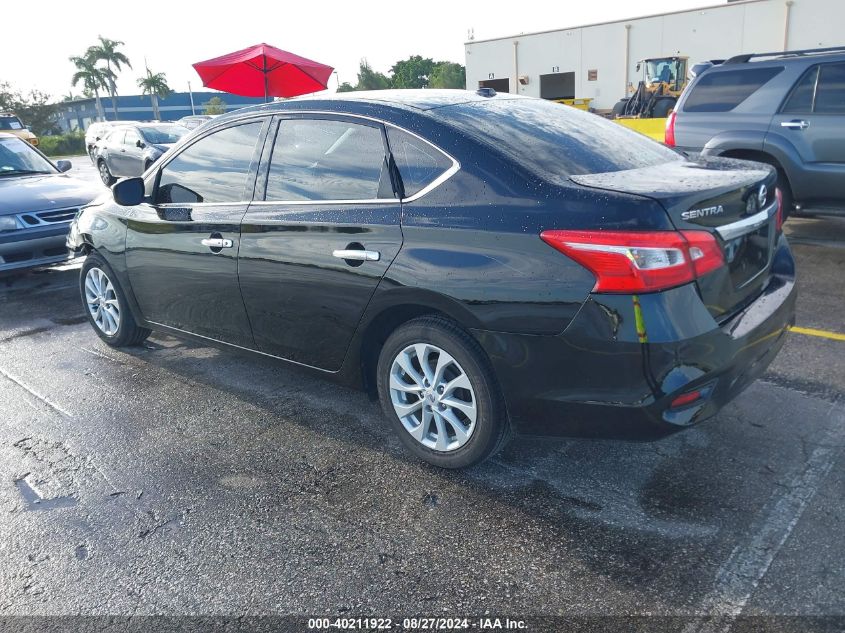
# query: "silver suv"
{"type": "Point", "coordinates": [785, 109]}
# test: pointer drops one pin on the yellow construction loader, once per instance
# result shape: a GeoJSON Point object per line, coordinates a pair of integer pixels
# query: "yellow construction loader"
{"type": "Point", "coordinates": [663, 80]}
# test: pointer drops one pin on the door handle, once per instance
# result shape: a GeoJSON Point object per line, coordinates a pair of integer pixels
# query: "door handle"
{"type": "Point", "coordinates": [795, 125]}
{"type": "Point", "coordinates": [216, 242]}
{"type": "Point", "coordinates": [357, 255]}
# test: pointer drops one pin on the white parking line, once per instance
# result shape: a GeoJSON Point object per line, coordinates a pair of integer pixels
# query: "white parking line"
{"type": "Point", "coordinates": [739, 576]}
{"type": "Point", "coordinates": [32, 392]}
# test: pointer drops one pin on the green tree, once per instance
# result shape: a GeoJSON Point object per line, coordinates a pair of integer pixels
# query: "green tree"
{"type": "Point", "coordinates": [33, 108]}
{"type": "Point", "coordinates": [106, 51]}
{"type": "Point", "coordinates": [412, 72]}
{"type": "Point", "coordinates": [156, 86]}
{"type": "Point", "coordinates": [92, 78]}
{"type": "Point", "coordinates": [345, 87]}
{"type": "Point", "coordinates": [369, 79]}
{"type": "Point", "coordinates": [448, 75]}
{"type": "Point", "coordinates": [215, 105]}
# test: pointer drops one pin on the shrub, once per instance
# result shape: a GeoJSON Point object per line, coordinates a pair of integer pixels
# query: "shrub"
{"type": "Point", "coordinates": [63, 144]}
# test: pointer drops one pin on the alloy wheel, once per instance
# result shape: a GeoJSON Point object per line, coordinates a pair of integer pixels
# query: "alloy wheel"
{"type": "Point", "coordinates": [433, 397]}
{"type": "Point", "coordinates": [105, 176]}
{"type": "Point", "coordinates": [102, 302]}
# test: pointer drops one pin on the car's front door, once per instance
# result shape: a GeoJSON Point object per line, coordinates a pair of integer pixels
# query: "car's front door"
{"type": "Point", "coordinates": [813, 121]}
{"type": "Point", "coordinates": [132, 154]}
{"type": "Point", "coordinates": [182, 246]}
{"type": "Point", "coordinates": [316, 244]}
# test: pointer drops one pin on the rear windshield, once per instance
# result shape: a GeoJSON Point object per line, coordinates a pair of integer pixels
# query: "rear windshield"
{"type": "Point", "coordinates": [725, 90]}
{"type": "Point", "coordinates": [10, 123]}
{"type": "Point", "coordinates": [553, 140]}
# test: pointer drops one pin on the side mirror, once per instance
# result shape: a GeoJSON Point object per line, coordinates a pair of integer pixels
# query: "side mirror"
{"type": "Point", "coordinates": [638, 67]}
{"type": "Point", "coordinates": [140, 143]}
{"type": "Point", "coordinates": [128, 192]}
{"type": "Point", "coordinates": [63, 165]}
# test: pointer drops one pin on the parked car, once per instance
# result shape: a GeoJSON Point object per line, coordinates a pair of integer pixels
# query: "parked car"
{"type": "Point", "coordinates": [11, 124]}
{"type": "Point", "coordinates": [783, 109]}
{"type": "Point", "coordinates": [37, 203]}
{"type": "Point", "coordinates": [193, 121]}
{"type": "Point", "coordinates": [129, 150]}
{"type": "Point", "coordinates": [484, 263]}
{"type": "Point", "coordinates": [97, 131]}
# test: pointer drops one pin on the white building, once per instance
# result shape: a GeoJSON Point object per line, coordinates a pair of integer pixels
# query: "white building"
{"type": "Point", "coordinates": [599, 60]}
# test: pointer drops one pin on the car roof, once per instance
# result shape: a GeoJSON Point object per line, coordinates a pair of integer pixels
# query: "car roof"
{"type": "Point", "coordinates": [410, 99]}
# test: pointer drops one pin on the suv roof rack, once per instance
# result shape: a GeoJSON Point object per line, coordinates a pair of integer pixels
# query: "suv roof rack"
{"type": "Point", "coordinates": [741, 59]}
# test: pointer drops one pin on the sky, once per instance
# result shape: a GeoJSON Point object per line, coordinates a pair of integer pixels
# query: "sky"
{"type": "Point", "coordinates": [170, 36]}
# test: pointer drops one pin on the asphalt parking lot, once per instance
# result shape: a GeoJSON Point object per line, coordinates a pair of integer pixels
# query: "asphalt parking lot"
{"type": "Point", "coordinates": [174, 478]}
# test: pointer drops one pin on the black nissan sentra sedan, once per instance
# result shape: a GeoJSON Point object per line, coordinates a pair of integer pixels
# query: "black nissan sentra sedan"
{"type": "Point", "coordinates": [485, 263]}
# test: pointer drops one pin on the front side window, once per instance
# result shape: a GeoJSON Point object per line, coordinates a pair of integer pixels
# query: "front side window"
{"type": "Point", "coordinates": [214, 169]}
{"type": "Point", "coordinates": [723, 91]}
{"type": "Point", "coordinates": [419, 163]}
{"type": "Point", "coordinates": [131, 138]}
{"type": "Point", "coordinates": [321, 159]}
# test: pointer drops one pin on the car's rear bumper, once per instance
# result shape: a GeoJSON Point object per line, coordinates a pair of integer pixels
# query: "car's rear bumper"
{"type": "Point", "coordinates": [622, 361]}
{"type": "Point", "coordinates": [33, 247]}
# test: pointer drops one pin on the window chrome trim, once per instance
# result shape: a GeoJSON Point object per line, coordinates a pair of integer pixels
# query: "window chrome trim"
{"type": "Point", "coordinates": [746, 225]}
{"type": "Point", "coordinates": [456, 165]}
{"type": "Point", "coordinates": [446, 175]}
{"type": "Point", "coordinates": [265, 203]}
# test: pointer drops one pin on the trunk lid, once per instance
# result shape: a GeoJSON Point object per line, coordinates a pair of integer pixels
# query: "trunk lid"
{"type": "Point", "coordinates": [731, 199]}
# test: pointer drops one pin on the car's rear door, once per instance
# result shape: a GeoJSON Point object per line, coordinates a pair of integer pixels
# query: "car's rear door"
{"type": "Point", "coordinates": [812, 120]}
{"type": "Point", "coordinates": [182, 247]}
{"type": "Point", "coordinates": [319, 238]}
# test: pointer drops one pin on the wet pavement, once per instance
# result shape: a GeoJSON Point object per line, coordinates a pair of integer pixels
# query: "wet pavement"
{"type": "Point", "coordinates": [176, 478]}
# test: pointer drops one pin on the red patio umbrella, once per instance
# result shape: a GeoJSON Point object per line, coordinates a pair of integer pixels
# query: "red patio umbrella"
{"type": "Point", "coordinates": [263, 70]}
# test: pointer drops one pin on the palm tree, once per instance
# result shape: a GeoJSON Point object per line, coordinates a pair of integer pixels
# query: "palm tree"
{"type": "Point", "coordinates": [106, 51]}
{"type": "Point", "coordinates": [156, 86]}
{"type": "Point", "coordinates": [92, 79]}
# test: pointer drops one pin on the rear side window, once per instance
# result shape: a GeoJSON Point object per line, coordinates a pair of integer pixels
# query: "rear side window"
{"type": "Point", "coordinates": [801, 99]}
{"type": "Point", "coordinates": [725, 90]}
{"type": "Point", "coordinates": [320, 159]}
{"type": "Point", "coordinates": [553, 140]}
{"type": "Point", "coordinates": [830, 94]}
{"type": "Point", "coordinates": [419, 163]}
{"type": "Point", "coordinates": [214, 169]}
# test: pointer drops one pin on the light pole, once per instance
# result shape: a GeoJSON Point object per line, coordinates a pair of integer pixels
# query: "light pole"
{"type": "Point", "coordinates": [191, 94]}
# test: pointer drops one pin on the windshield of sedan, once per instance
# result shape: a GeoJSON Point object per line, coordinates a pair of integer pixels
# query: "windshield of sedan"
{"type": "Point", "coordinates": [163, 134]}
{"type": "Point", "coordinates": [553, 140]}
{"type": "Point", "coordinates": [10, 123]}
{"type": "Point", "coordinates": [17, 157]}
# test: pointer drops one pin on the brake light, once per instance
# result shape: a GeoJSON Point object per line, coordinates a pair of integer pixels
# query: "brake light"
{"type": "Point", "coordinates": [669, 134]}
{"type": "Point", "coordinates": [637, 261]}
{"type": "Point", "coordinates": [779, 213]}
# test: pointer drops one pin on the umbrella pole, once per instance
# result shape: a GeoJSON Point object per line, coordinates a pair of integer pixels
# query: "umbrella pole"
{"type": "Point", "coordinates": [265, 78]}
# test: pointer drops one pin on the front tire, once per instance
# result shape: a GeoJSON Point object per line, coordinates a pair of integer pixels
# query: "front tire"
{"type": "Point", "coordinates": [663, 107]}
{"type": "Point", "coordinates": [619, 108]}
{"type": "Point", "coordinates": [105, 305]}
{"type": "Point", "coordinates": [105, 174]}
{"type": "Point", "coordinates": [438, 391]}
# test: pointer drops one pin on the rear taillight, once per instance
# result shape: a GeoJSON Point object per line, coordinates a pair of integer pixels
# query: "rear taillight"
{"type": "Point", "coordinates": [779, 213]}
{"type": "Point", "coordinates": [637, 261]}
{"type": "Point", "coordinates": [669, 134]}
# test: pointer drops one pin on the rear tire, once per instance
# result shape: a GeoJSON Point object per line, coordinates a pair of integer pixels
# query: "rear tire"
{"type": "Point", "coordinates": [105, 305]}
{"type": "Point", "coordinates": [437, 377]}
